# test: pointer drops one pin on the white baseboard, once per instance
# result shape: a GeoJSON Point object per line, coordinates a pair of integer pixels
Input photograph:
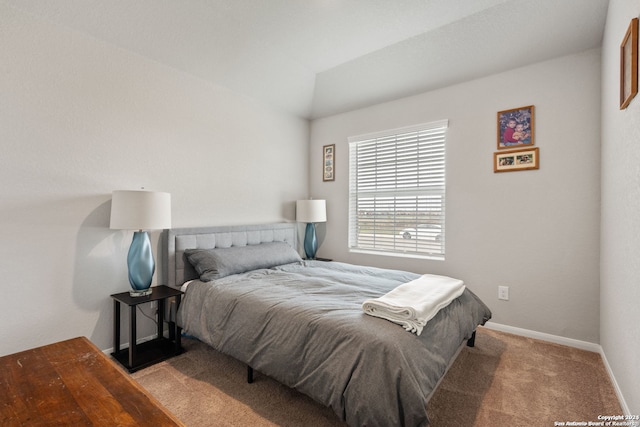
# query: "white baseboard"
{"type": "Point", "coordinates": [570, 342]}
{"type": "Point", "coordinates": [623, 403]}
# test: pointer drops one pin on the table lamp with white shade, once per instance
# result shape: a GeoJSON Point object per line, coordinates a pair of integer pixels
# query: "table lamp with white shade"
{"type": "Point", "coordinates": [140, 210]}
{"type": "Point", "coordinates": [311, 212]}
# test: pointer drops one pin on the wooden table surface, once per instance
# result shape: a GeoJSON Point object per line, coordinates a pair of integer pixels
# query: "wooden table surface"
{"type": "Point", "coordinates": [73, 383]}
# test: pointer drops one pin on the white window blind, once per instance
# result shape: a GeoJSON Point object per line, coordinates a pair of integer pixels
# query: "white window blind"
{"type": "Point", "coordinates": [397, 191]}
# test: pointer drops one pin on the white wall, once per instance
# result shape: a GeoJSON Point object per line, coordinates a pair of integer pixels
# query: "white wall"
{"type": "Point", "coordinates": [80, 118]}
{"type": "Point", "coordinates": [620, 248]}
{"type": "Point", "coordinates": [534, 231]}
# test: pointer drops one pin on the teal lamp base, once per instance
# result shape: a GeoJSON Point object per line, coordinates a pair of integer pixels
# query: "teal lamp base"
{"type": "Point", "coordinates": [310, 241]}
{"type": "Point", "coordinates": [141, 264]}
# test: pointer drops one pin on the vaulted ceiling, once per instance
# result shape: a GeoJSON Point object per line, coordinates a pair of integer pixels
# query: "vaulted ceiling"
{"type": "Point", "coordinates": [315, 58]}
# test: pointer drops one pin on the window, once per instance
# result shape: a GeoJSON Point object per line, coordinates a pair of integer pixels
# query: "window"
{"type": "Point", "coordinates": [397, 191]}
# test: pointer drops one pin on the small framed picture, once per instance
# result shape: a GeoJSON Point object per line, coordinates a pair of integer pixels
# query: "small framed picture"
{"type": "Point", "coordinates": [629, 65]}
{"type": "Point", "coordinates": [328, 162]}
{"type": "Point", "coordinates": [515, 127]}
{"type": "Point", "coordinates": [516, 160]}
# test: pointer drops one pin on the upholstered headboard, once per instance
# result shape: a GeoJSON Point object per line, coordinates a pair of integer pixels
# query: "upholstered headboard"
{"type": "Point", "coordinates": [177, 270]}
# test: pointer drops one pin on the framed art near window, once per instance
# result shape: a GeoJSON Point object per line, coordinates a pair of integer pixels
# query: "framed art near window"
{"type": "Point", "coordinates": [515, 127]}
{"type": "Point", "coordinates": [328, 162]}
{"type": "Point", "coordinates": [516, 160]}
{"type": "Point", "coordinates": [629, 65]}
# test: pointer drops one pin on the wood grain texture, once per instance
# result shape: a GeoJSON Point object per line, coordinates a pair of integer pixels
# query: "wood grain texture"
{"type": "Point", "coordinates": [73, 383]}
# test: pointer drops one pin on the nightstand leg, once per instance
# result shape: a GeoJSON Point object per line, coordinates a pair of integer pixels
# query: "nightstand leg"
{"type": "Point", "coordinates": [132, 335]}
{"type": "Point", "coordinates": [116, 326]}
{"type": "Point", "coordinates": [160, 318]}
{"type": "Point", "coordinates": [177, 330]}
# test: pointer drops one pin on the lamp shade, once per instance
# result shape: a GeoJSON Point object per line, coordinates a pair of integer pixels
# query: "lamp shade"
{"type": "Point", "coordinates": [140, 210]}
{"type": "Point", "coordinates": [311, 211]}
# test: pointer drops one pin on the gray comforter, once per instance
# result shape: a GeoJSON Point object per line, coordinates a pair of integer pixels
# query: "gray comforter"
{"type": "Point", "coordinates": [303, 325]}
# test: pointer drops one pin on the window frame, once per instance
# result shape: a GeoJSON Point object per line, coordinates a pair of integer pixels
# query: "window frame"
{"type": "Point", "coordinates": [376, 179]}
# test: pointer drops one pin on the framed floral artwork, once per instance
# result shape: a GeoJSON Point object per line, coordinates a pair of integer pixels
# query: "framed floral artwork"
{"type": "Point", "coordinates": [328, 162]}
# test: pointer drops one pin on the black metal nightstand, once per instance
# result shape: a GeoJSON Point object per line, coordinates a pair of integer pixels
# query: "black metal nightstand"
{"type": "Point", "coordinates": [138, 356]}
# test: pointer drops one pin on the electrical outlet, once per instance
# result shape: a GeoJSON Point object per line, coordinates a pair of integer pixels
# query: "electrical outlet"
{"type": "Point", "coordinates": [503, 293]}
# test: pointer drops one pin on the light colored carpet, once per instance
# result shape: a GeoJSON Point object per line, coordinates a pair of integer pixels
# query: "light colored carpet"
{"type": "Point", "coordinates": [505, 380]}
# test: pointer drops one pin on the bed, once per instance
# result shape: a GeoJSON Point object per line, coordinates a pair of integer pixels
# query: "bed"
{"type": "Point", "coordinates": [302, 324]}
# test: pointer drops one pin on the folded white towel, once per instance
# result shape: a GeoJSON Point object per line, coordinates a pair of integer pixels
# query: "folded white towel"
{"type": "Point", "coordinates": [414, 303]}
